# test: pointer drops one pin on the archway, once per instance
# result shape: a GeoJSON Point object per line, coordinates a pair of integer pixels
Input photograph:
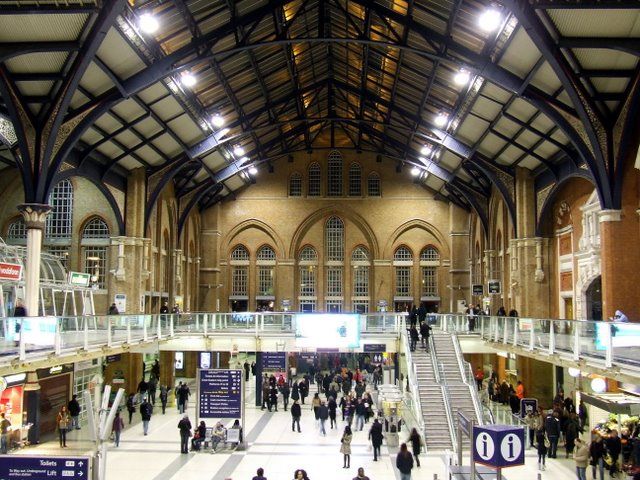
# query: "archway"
{"type": "Point", "coordinates": [594, 299]}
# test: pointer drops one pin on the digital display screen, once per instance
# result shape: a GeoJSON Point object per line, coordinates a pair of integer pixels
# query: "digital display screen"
{"type": "Point", "coordinates": [622, 335]}
{"type": "Point", "coordinates": [328, 330]}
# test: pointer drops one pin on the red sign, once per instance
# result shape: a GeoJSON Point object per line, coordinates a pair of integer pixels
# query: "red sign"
{"type": "Point", "coordinates": [10, 271]}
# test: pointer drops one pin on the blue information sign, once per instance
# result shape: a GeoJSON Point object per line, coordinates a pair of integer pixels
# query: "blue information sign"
{"type": "Point", "coordinates": [220, 394]}
{"type": "Point", "coordinates": [528, 405]}
{"type": "Point", "coordinates": [274, 361]}
{"type": "Point", "coordinates": [38, 468]}
{"type": "Point", "coordinates": [498, 445]}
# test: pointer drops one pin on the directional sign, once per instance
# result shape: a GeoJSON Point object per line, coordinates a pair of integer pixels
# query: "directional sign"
{"type": "Point", "coordinates": [498, 445]}
{"type": "Point", "coordinates": [477, 290]}
{"type": "Point", "coordinates": [274, 361]}
{"type": "Point", "coordinates": [495, 287]}
{"type": "Point", "coordinates": [219, 393]}
{"type": "Point", "coordinates": [38, 468]}
{"type": "Point", "coordinates": [79, 279]}
{"type": "Point", "coordinates": [374, 347]}
{"type": "Point", "coordinates": [528, 405]}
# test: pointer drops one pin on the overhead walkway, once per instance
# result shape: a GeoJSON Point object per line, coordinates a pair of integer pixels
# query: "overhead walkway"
{"type": "Point", "coordinates": [38, 342]}
{"type": "Point", "coordinates": [606, 348]}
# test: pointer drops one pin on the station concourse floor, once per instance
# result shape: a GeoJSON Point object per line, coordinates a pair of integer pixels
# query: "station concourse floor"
{"type": "Point", "coordinates": [272, 446]}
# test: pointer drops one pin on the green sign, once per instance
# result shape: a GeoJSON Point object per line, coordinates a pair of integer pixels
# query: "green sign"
{"type": "Point", "coordinates": [78, 279]}
{"type": "Point", "coordinates": [494, 286]}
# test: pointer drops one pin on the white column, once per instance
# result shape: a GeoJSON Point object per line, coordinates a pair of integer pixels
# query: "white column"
{"type": "Point", "coordinates": [34, 217]}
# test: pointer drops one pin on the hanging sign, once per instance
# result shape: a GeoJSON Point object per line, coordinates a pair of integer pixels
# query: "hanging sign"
{"type": "Point", "coordinates": [10, 271]}
{"type": "Point", "coordinates": [494, 287]}
{"type": "Point", "coordinates": [79, 279]}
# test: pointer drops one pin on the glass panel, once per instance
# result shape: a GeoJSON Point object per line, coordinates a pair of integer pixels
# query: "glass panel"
{"type": "Point", "coordinates": [403, 254]}
{"type": "Point", "coordinates": [429, 282]}
{"type": "Point", "coordinates": [314, 189]}
{"type": "Point", "coordinates": [334, 238]}
{"type": "Point", "coordinates": [360, 281]}
{"type": "Point", "coordinates": [403, 282]}
{"type": "Point", "coordinates": [308, 281]}
{"type": "Point", "coordinates": [334, 282]}
{"type": "Point", "coordinates": [58, 222]}
{"type": "Point", "coordinates": [355, 180]}
{"type": "Point", "coordinates": [95, 264]}
{"type": "Point", "coordinates": [265, 281]}
{"type": "Point", "coordinates": [240, 253]}
{"type": "Point", "coordinates": [239, 281]}
{"type": "Point", "coordinates": [295, 185]}
{"type": "Point", "coordinates": [334, 175]}
{"type": "Point", "coordinates": [266, 253]}
{"type": "Point", "coordinates": [373, 185]}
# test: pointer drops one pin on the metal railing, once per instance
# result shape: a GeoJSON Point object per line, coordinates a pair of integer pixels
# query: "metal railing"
{"type": "Point", "coordinates": [604, 342]}
{"type": "Point", "coordinates": [413, 384]}
{"type": "Point", "coordinates": [438, 372]}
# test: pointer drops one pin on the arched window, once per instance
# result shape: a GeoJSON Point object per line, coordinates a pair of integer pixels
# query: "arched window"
{"type": "Point", "coordinates": [355, 180]}
{"type": "Point", "coordinates": [17, 230]}
{"type": "Point", "coordinates": [373, 185]}
{"type": "Point", "coordinates": [307, 275]}
{"type": "Point", "coordinates": [429, 262]}
{"type": "Point", "coordinates": [360, 266]}
{"type": "Point", "coordinates": [334, 240]}
{"type": "Point", "coordinates": [403, 264]}
{"type": "Point", "coordinates": [266, 261]}
{"type": "Point", "coordinates": [240, 273]}
{"type": "Point", "coordinates": [334, 175]}
{"type": "Point", "coordinates": [58, 222]}
{"type": "Point", "coordinates": [314, 189]}
{"type": "Point", "coordinates": [295, 185]}
{"type": "Point", "coordinates": [94, 243]}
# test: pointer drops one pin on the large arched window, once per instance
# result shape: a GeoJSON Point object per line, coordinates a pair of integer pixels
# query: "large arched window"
{"type": "Point", "coordinates": [17, 230]}
{"type": "Point", "coordinates": [355, 180]}
{"type": "Point", "coordinates": [403, 264]}
{"type": "Point", "coordinates": [334, 175]}
{"type": "Point", "coordinates": [94, 244]}
{"type": "Point", "coordinates": [59, 222]}
{"type": "Point", "coordinates": [240, 273]}
{"type": "Point", "coordinates": [314, 188]}
{"type": "Point", "coordinates": [265, 261]}
{"type": "Point", "coordinates": [334, 256]}
{"type": "Point", "coordinates": [429, 263]}
{"type": "Point", "coordinates": [373, 185]}
{"type": "Point", "coordinates": [307, 276]}
{"type": "Point", "coordinates": [360, 267]}
{"type": "Point", "coordinates": [295, 185]}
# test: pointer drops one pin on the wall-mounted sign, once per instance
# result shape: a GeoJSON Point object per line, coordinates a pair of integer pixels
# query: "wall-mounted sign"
{"type": "Point", "coordinates": [37, 467]}
{"type": "Point", "coordinates": [120, 299]}
{"type": "Point", "coordinates": [274, 360]}
{"type": "Point", "coordinates": [374, 347]}
{"type": "Point", "coordinates": [179, 360]}
{"type": "Point", "coordinates": [478, 290]}
{"type": "Point", "coordinates": [113, 358]}
{"type": "Point", "coordinates": [10, 271]}
{"type": "Point", "coordinates": [495, 287]}
{"type": "Point", "coordinates": [205, 360]}
{"type": "Point", "coordinates": [79, 279]}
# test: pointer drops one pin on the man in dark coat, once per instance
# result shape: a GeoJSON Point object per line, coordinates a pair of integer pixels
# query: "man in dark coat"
{"type": "Point", "coordinates": [184, 425]}
{"type": "Point", "coordinates": [375, 435]}
{"type": "Point", "coordinates": [145, 412]}
{"type": "Point", "coordinates": [425, 331]}
{"type": "Point", "coordinates": [303, 387]}
{"type": "Point", "coordinates": [247, 368]}
{"type": "Point", "coordinates": [552, 428]}
{"type": "Point", "coordinates": [273, 398]}
{"type": "Point", "coordinates": [296, 413]}
{"type": "Point", "coordinates": [285, 395]}
{"type": "Point", "coordinates": [323, 414]}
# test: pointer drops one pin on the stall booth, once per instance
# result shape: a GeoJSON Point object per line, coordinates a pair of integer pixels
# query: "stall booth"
{"type": "Point", "coordinates": [12, 405]}
{"type": "Point", "coordinates": [612, 411]}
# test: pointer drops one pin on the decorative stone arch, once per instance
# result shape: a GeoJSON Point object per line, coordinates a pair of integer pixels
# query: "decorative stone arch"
{"type": "Point", "coordinates": [343, 214]}
{"type": "Point", "coordinates": [278, 244]}
{"type": "Point", "coordinates": [423, 225]}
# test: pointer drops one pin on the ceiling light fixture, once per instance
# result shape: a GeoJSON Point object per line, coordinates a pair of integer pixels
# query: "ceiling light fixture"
{"type": "Point", "coordinates": [253, 170]}
{"type": "Point", "coordinates": [415, 171]}
{"type": "Point", "coordinates": [490, 19]}
{"type": "Point", "coordinates": [217, 120]}
{"type": "Point", "coordinates": [441, 120]}
{"type": "Point", "coordinates": [188, 80]}
{"type": "Point", "coordinates": [148, 23]}
{"type": "Point", "coordinates": [238, 151]}
{"type": "Point", "coordinates": [462, 77]}
{"type": "Point", "coordinates": [425, 150]}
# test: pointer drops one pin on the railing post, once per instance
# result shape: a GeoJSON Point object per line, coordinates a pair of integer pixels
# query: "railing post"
{"type": "Point", "coordinates": [576, 340]}
{"type": "Point", "coordinates": [58, 338]}
{"type": "Point", "coordinates": [532, 337]}
{"type": "Point", "coordinates": [128, 330]}
{"type": "Point", "coordinates": [496, 329]}
{"type": "Point", "coordinates": [608, 358]}
{"type": "Point", "coordinates": [109, 336]}
{"type": "Point", "coordinates": [552, 337]}
{"type": "Point", "coordinates": [144, 329]}
{"type": "Point", "coordinates": [505, 333]}
{"type": "Point", "coordinates": [482, 327]}
{"type": "Point", "coordinates": [171, 333]}
{"type": "Point", "coordinates": [205, 324]}
{"type": "Point", "coordinates": [159, 330]}
{"type": "Point", "coordinates": [515, 332]}
{"type": "Point", "coordinates": [85, 331]}
{"type": "Point", "coordinates": [22, 350]}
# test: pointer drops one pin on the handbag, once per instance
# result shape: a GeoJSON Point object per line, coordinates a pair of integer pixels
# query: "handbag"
{"type": "Point", "coordinates": [608, 459]}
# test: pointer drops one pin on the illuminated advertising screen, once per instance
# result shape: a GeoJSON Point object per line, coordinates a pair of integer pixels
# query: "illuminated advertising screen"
{"type": "Point", "coordinates": [328, 330]}
{"type": "Point", "coordinates": [622, 335]}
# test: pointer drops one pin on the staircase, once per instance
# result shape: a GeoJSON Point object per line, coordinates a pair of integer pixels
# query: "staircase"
{"type": "Point", "coordinates": [431, 400]}
{"type": "Point", "coordinates": [459, 392]}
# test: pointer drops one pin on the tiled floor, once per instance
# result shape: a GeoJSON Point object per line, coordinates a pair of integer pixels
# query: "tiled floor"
{"type": "Point", "coordinates": [272, 446]}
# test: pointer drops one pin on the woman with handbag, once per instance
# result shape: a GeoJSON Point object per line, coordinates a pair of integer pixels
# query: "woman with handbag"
{"type": "Point", "coordinates": [62, 421]}
{"type": "Point", "coordinates": [542, 444]}
{"type": "Point", "coordinates": [416, 443]}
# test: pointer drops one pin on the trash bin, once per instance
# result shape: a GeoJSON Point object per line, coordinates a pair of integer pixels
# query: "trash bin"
{"type": "Point", "coordinates": [392, 439]}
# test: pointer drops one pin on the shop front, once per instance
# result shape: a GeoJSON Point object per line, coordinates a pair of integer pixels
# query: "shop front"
{"type": "Point", "coordinates": [12, 405]}
{"type": "Point", "coordinates": [55, 391]}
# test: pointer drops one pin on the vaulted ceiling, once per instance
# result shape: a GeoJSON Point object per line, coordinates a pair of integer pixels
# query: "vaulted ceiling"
{"type": "Point", "coordinates": [294, 76]}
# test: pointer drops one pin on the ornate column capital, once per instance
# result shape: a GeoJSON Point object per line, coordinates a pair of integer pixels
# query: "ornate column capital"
{"type": "Point", "coordinates": [34, 214]}
{"type": "Point", "coordinates": [609, 215]}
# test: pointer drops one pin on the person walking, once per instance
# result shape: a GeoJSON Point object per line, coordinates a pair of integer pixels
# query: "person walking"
{"type": "Point", "coordinates": [376, 436]}
{"type": "Point", "coordinates": [404, 462]}
{"type": "Point", "coordinates": [315, 405]}
{"type": "Point", "coordinates": [360, 412]}
{"type": "Point", "coordinates": [117, 427]}
{"type": "Point", "coordinates": [571, 433]}
{"type": "Point", "coordinates": [541, 444]}
{"type": "Point", "coordinates": [332, 406]}
{"type": "Point", "coordinates": [414, 337]}
{"type": "Point", "coordinates": [247, 368]}
{"type": "Point", "coordinates": [131, 406]}
{"type": "Point", "coordinates": [63, 420]}
{"type": "Point", "coordinates": [164, 395]}
{"type": "Point", "coordinates": [259, 475]}
{"type": "Point", "coordinates": [581, 457]}
{"type": "Point", "coordinates": [345, 446]}
{"type": "Point", "coordinates": [5, 423]}
{"type": "Point", "coordinates": [296, 413]}
{"type": "Point", "coordinates": [613, 446]}
{"type": "Point", "coordinates": [596, 454]}
{"type": "Point", "coordinates": [552, 428]}
{"type": "Point", "coordinates": [416, 444]}
{"type": "Point", "coordinates": [74, 412]}
{"type": "Point", "coordinates": [183, 397]}
{"type": "Point", "coordinates": [285, 395]}
{"type": "Point", "coordinates": [323, 413]}
{"type": "Point", "coordinates": [184, 425]}
{"type": "Point", "coordinates": [361, 475]}
{"type": "Point", "coordinates": [425, 332]}
{"type": "Point", "coordinates": [146, 410]}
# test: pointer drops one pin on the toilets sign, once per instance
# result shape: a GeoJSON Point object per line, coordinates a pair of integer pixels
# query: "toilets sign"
{"type": "Point", "coordinates": [498, 445]}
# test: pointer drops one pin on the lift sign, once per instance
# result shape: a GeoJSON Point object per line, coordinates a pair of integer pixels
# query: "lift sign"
{"type": "Point", "coordinates": [10, 271]}
{"type": "Point", "coordinates": [498, 446]}
{"type": "Point", "coordinates": [39, 468]}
